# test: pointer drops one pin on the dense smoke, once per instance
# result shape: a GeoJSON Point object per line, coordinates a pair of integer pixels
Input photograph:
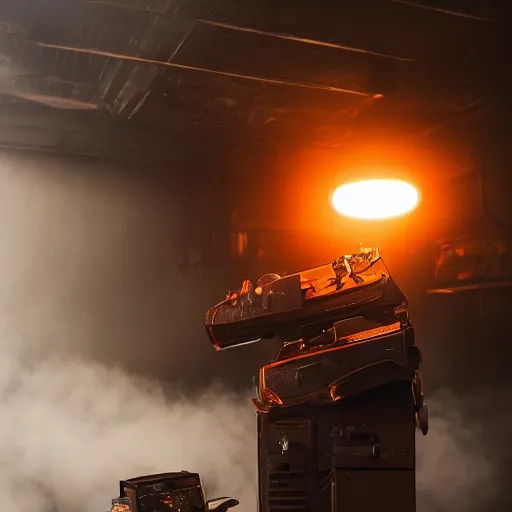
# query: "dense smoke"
{"type": "Point", "coordinates": [455, 469]}
{"type": "Point", "coordinates": [71, 430]}
{"type": "Point", "coordinates": [77, 323]}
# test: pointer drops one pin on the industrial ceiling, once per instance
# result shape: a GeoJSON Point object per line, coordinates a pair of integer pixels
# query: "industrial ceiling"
{"type": "Point", "coordinates": [145, 78]}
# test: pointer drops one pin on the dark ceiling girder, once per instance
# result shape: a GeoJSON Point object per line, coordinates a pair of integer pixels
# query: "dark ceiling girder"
{"type": "Point", "coordinates": [304, 40]}
{"type": "Point", "coordinates": [449, 12]}
{"type": "Point", "coordinates": [140, 60]}
{"type": "Point", "coordinates": [276, 35]}
{"type": "Point", "coordinates": [252, 14]}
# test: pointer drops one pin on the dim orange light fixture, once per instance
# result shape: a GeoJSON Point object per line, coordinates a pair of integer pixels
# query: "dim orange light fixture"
{"type": "Point", "coordinates": [375, 199]}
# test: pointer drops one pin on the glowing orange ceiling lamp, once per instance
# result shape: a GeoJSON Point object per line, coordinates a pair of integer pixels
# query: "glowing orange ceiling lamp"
{"type": "Point", "coordinates": [375, 199]}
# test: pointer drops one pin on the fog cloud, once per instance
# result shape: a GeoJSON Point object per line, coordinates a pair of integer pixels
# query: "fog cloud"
{"type": "Point", "coordinates": [455, 469]}
{"type": "Point", "coordinates": [71, 430]}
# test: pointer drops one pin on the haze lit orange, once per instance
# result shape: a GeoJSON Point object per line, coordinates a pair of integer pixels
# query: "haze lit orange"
{"type": "Point", "coordinates": [375, 199]}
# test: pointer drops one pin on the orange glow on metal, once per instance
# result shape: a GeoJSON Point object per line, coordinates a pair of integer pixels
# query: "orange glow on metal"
{"type": "Point", "coordinates": [359, 338]}
{"type": "Point", "coordinates": [241, 243]}
{"type": "Point", "coordinates": [273, 397]}
{"type": "Point", "coordinates": [267, 396]}
{"type": "Point", "coordinates": [375, 199]}
{"type": "Point", "coordinates": [373, 333]}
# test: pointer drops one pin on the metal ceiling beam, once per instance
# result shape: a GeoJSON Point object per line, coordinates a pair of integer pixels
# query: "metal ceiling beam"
{"type": "Point", "coordinates": [475, 108]}
{"type": "Point", "coordinates": [289, 37]}
{"type": "Point", "coordinates": [268, 81]}
{"type": "Point", "coordinates": [230, 26]}
{"type": "Point", "coordinates": [448, 12]}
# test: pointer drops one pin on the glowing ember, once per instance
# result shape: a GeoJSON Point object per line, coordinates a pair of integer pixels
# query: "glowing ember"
{"type": "Point", "coordinates": [121, 505]}
{"type": "Point", "coordinates": [121, 508]}
{"type": "Point", "coordinates": [375, 199]}
{"type": "Point", "coordinates": [168, 501]}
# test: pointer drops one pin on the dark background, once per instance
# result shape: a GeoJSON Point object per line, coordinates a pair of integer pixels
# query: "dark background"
{"type": "Point", "coordinates": [144, 136]}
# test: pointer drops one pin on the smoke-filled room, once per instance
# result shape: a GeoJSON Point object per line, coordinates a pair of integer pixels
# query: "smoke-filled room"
{"type": "Point", "coordinates": [256, 256]}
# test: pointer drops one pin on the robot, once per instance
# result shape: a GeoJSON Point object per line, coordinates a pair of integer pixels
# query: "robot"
{"type": "Point", "coordinates": [338, 408]}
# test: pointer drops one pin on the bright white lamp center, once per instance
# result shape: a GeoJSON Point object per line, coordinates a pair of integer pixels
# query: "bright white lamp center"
{"type": "Point", "coordinates": [375, 199]}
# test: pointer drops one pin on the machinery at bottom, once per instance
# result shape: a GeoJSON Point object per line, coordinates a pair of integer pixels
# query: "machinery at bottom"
{"type": "Point", "coordinates": [339, 407]}
{"type": "Point", "coordinates": [167, 492]}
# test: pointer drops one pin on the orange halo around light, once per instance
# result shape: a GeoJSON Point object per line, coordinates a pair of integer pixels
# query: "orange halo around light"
{"type": "Point", "coordinates": [375, 199]}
